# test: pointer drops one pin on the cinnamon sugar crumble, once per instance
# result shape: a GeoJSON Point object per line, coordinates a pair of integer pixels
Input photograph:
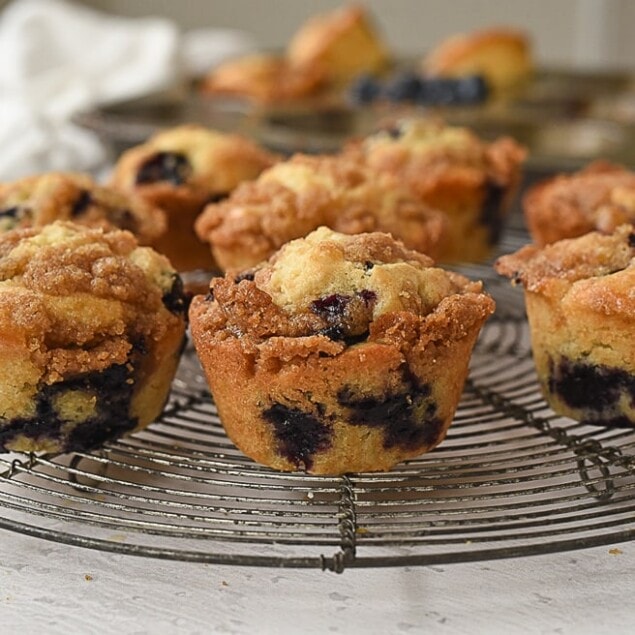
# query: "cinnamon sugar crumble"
{"type": "Point", "coordinates": [78, 298]}
{"type": "Point", "coordinates": [322, 287]}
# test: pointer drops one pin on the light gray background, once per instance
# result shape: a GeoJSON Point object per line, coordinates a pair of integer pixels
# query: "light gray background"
{"type": "Point", "coordinates": [570, 32]}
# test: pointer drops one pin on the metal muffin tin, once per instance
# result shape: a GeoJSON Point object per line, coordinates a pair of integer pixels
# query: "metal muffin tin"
{"type": "Point", "coordinates": [565, 118]}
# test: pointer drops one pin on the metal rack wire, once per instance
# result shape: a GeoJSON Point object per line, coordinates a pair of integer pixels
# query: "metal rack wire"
{"type": "Point", "coordinates": [511, 479]}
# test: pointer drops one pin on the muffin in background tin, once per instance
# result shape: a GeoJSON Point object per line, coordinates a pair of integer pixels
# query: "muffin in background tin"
{"type": "Point", "coordinates": [502, 55]}
{"type": "Point", "coordinates": [344, 42]}
{"type": "Point", "coordinates": [91, 331]}
{"type": "Point", "coordinates": [342, 353]}
{"type": "Point", "coordinates": [264, 78]}
{"type": "Point", "coordinates": [581, 310]}
{"type": "Point", "coordinates": [327, 51]}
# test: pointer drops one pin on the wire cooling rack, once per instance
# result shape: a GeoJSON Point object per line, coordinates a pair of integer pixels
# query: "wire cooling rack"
{"type": "Point", "coordinates": [511, 479]}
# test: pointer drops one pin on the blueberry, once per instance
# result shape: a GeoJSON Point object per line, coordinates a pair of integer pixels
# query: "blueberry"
{"type": "Point", "coordinates": [171, 167]}
{"type": "Point", "coordinates": [437, 92]}
{"type": "Point", "coordinates": [471, 90]}
{"type": "Point", "coordinates": [590, 387]}
{"type": "Point", "coordinates": [112, 390]}
{"type": "Point", "coordinates": [403, 87]}
{"type": "Point", "coordinates": [299, 434]}
{"type": "Point", "coordinates": [492, 211]}
{"type": "Point", "coordinates": [11, 212]}
{"type": "Point", "coordinates": [334, 332]}
{"type": "Point", "coordinates": [124, 219]}
{"type": "Point", "coordinates": [408, 417]}
{"type": "Point", "coordinates": [364, 90]}
{"type": "Point", "coordinates": [175, 299]}
{"type": "Point", "coordinates": [81, 204]}
{"type": "Point", "coordinates": [330, 306]}
{"type": "Point", "coordinates": [245, 275]}
{"type": "Point", "coordinates": [446, 91]}
{"type": "Point", "coordinates": [332, 309]}
{"type": "Point", "coordinates": [12, 216]}
{"type": "Point", "coordinates": [367, 296]}
{"type": "Point", "coordinates": [631, 240]}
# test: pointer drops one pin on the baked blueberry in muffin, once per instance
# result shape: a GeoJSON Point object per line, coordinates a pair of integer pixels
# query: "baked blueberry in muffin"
{"type": "Point", "coordinates": [581, 309]}
{"type": "Point", "coordinates": [39, 200]}
{"type": "Point", "coordinates": [450, 169]}
{"type": "Point", "coordinates": [91, 330]}
{"type": "Point", "coordinates": [599, 197]}
{"type": "Point", "coordinates": [341, 353]}
{"type": "Point", "coordinates": [182, 169]}
{"type": "Point", "coordinates": [294, 197]}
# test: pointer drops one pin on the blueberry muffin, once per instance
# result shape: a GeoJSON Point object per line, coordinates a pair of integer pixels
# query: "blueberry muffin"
{"type": "Point", "coordinates": [501, 55]}
{"type": "Point", "coordinates": [182, 169]}
{"type": "Point", "coordinates": [344, 42]}
{"type": "Point", "coordinates": [91, 329]}
{"type": "Point", "coordinates": [40, 200]}
{"type": "Point", "coordinates": [295, 197]}
{"type": "Point", "coordinates": [340, 354]}
{"type": "Point", "coordinates": [450, 169]}
{"type": "Point", "coordinates": [326, 52]}
{"type": "Point", "coordinates": [600, 197]}
{"type": "Point", "coordinates": [581, 310]}
{"type": "Point", "coordinates": [264, 78]}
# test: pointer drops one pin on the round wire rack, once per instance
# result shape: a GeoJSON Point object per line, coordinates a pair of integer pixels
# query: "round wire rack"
{"type": "Point", "coordinates": [511, 479]}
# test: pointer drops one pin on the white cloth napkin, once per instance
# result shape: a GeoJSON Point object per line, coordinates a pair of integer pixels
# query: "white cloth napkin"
{"type": "Point", "coordinates": [59, 59]}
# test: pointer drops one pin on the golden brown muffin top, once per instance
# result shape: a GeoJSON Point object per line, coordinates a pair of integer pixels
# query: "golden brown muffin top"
{"type": "Point", "coordinates": [81, 298]}
{"type": "Point", "coordinates": [329, 49]}
{"type": "Point", "coordinates": [344, 42]}
{"type": "Point", "coordinates": [194, 158]}
{"type": "Point", "coordinates": [596, 270]}
{"type": "Point", "coordinates": [599, 197]}
{"type": "Point", "coordinates": [501, 54]}
{"type": "Point", "coordinates": [296, 196]}
{"type": "Point", "coordinates": [336, 289]}
{"type": "Point", "coordinates": [67, 196]}
{"type": "Point", "coordinates": [265, 78]}
{"type": "Point", "coordinates": [421, 151]}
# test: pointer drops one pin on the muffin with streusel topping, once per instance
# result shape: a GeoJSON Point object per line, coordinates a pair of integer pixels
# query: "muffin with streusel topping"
{"type": "Point", "coordinates": [295, 197]}
{"type": "Point", "coordinates": [182, 169]}
{"type": "Point", "coordinates": [39, 200]}
{"type": "Point", "coordinates": [581, 310]}
{"type": "Point", "coordinates": [502, 55]}
{"type": "Point", "coordinates": [599, 197]}
{"type": "Point", "coordinates": [340, 354]}
{"type": "Point", "coordinates": [91, 330]}
{"type": "Point", "coordinates": [450, 169]}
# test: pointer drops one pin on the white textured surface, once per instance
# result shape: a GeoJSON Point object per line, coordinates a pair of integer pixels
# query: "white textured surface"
{"type": "Point", "coordinates": [52, 588]}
